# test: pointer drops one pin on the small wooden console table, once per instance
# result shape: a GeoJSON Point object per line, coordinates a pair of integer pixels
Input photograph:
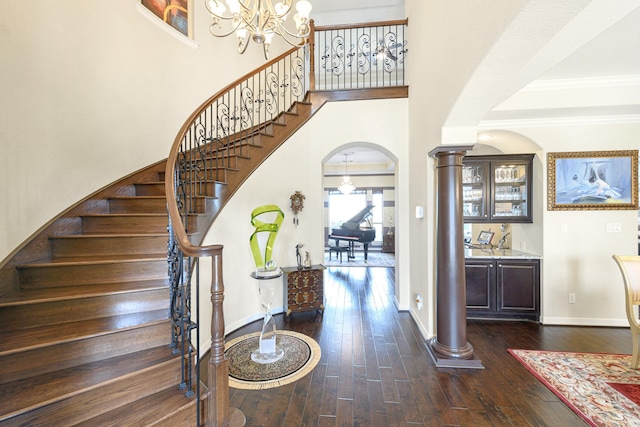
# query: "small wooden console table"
{"type": "Point", "coordinates": [304, 289]}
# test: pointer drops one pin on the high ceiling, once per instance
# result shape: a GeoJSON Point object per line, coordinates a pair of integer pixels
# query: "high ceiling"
{"type": "Point", "coordinates": [615, 52]}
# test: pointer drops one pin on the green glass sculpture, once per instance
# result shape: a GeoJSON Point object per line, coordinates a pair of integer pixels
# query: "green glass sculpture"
{"type": "Point", "coordinates": [262, 257]}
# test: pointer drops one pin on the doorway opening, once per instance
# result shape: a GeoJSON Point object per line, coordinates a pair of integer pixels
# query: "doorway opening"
{"type": "Point", "coordinates": [364, 218]}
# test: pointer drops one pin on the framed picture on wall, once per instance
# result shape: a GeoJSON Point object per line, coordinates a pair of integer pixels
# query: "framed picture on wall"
{"type": "Point", "coordinates": [174, 13]}
{"type": "Point", "coordinates": [592, 180]}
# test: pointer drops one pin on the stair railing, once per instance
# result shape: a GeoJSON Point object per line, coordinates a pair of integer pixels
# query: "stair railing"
{"type": "Point", "coordinates": [224, 128]}
{"type": "Point", "coordinates": [221, 129]}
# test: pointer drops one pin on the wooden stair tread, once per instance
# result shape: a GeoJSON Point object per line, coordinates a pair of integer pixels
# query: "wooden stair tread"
{"type": "Point", "coordinates": [42, 336]}
{"type": "Point", "coordinates": [137, 197]}
{"type": "Point", "coordinates": [147, 411]}
{"type": "Point", "coordinates": [112, 215]}
{"type": "Point", "coordinates": [95, 260]}
{"type": "Point", "coordinates": [222, 168]}
{"type": "Point", "coordinates": [24, 395]}
{"type": "Point", "coordinates": [107, 235]}
{"type": "Point", "coordinates": [223, 154]}
{"type": "Point", "coordinates": [37, 296]}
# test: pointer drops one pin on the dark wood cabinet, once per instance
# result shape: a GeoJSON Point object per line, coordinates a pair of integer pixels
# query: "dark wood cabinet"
{"type": "Point", "coordinates": [388, 243]}
{"type": "Point", "coordinates": [303, 289]}
{"type": "Point", "coordinates": [503, 288]}
{"type": "Point", "coordinates": [497, 188]}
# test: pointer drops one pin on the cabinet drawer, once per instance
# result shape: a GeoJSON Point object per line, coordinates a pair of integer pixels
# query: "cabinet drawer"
{"type": "Point", "coordinates": [304, 289]}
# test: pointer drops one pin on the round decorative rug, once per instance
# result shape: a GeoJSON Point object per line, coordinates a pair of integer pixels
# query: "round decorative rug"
{"type": "Point", "coordinates": [301, 355]}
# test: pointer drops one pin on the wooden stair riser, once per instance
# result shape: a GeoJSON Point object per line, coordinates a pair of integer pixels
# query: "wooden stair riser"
{"type": "Point", "coordinates": [221, 159]}
{"type": "Point", "coordinates": [232, 142]}
{"type": "Point", "coordinates": [209, 189]}
{"type": "Point", "coordinates": [39, 361]}
{"type": "Point", "coordinates": [138, 204]}
{"type": "Point", "coordinates": [105, 246]}
{"type": "Point", "coordinates": [62, 274]}
{"type": "Point", "coordinates": [178, 410]}
{"type": "Point", "coordinates": [83, 273]}
{"type": "Point", "coordinates": [104, 224]}
{"type": "Point", "coordinates": [26, 316]}
{"type": "Point", "coordinates": [103, 398]}
{"type": "Point", "coordinates": [149, 189]}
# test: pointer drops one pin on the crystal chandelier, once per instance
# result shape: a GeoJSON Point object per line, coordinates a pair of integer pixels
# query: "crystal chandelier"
{"type": "Point", "coordinates": [259, 20]}
{"type": "Point", "coordinates": [346, 187]}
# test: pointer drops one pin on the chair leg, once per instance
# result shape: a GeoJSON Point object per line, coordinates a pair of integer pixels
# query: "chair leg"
{"type": "Point", "coordinates": [635, 358]}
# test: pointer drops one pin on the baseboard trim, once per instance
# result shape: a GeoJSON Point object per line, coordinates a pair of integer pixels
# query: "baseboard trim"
{"type": "Point", "coordinates": [583, 321]}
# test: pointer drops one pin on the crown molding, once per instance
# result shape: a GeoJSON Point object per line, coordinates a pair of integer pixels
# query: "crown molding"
{"type": "Point", "coordinates": [559, 121]}
{"type": "Point", "coordinates": [582, 83]}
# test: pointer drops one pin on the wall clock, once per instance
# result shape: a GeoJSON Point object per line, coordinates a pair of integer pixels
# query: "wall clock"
{"type": "Point", "coordinates": [297, 203]}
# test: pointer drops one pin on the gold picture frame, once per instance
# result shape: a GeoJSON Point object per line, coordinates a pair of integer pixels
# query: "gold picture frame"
{"type": "Point", "coordinates": [592, 180]}
{"type": "Point", "coordinates": [175, 13]}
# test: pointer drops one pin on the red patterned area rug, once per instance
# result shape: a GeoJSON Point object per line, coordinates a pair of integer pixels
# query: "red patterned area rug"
{"type": "Point", "coordinates": [600, 388]}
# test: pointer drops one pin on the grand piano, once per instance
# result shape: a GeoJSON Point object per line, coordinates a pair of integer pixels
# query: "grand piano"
{"type": "Point", "coordinates": [353, 231]}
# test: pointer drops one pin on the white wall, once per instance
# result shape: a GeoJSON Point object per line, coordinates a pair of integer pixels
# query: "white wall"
{"type": "Point", "coordinates": [577, 248]}
{"type": "Point", "coordinates": [92, 91]}
{"type": "Point", "coordinates": [286, 171]}
{"type": "Point", "coordinates": [454, 38]}
{"type": "Point", "coordinates": [459, 76]}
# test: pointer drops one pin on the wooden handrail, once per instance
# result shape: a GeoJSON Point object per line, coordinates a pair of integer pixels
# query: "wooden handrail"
{"type": "Point", "coordinates": [218, 412]}
{"type": "Point", "coordinates": [362, 25]}
{"type": "Point", "coordinates": [217, 136]}
{"type": "Point", "coordinates": [170, 188]}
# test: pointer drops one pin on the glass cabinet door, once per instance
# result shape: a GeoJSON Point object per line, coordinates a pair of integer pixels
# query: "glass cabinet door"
{"type": "Point", "coordinates": [510, 190]}
{"type": "Point", "coordinates": [473, 191]}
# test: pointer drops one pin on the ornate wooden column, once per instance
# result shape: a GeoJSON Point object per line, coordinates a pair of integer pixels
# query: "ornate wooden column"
{"type": "Point", "coordinates": [449, 348]}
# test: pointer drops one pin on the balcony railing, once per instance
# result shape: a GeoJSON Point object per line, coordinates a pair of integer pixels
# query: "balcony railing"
{"type": "Point", "coordinates": [360, 56]}
{"type": "Point", "coordinates": [224, 130]}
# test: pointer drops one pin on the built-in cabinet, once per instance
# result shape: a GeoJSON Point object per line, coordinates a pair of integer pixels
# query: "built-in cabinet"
{"type": "Point", "coordinates": [503, 288]}
{"type": "Point", "coordinates": [497, 188]}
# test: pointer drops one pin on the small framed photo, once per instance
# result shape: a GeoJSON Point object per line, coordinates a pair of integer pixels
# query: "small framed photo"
{"type": "Point", "coordinates": [592, 180]}
{"type": "Point", "coordinates": [484, 238]}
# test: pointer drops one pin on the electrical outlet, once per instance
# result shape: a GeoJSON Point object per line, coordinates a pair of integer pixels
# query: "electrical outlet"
{"type": "Point", "coordinates": [614, 227]}
{"type": "Point", "coordinates": [572, 298]}
{"type": "Point", "coordinates": [523, 246]}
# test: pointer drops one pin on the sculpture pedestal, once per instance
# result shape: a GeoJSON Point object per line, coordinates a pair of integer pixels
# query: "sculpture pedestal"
{"type": "Point", "coordinates": [267, 351]}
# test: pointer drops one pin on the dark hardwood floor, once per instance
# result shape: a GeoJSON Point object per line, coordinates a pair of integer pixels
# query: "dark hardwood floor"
{"type": "Point", "coordinates": [375, 370]}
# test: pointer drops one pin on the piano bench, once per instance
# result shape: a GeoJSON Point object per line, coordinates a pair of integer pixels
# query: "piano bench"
{"type": "Point", "coordinates": [339, 250]}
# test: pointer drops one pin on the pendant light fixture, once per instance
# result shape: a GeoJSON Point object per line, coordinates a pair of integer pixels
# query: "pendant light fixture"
{"type": "Point", "coordinates": [346, 187]}
{"type": "Point", "coordinates": [260, 20]}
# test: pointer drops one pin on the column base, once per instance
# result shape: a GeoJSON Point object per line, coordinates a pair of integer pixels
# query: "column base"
{"type": "Point", "coordinates": [447, 357]}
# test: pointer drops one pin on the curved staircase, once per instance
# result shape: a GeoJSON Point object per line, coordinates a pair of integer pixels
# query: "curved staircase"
{"type": "Point", "coordinates": [86, 328]}
{"type": "Point", "coordinates": [85, 303]}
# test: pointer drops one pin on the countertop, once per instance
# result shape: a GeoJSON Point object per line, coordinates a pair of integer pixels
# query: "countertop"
{"type": "Point", "coordinates": [477, 252]}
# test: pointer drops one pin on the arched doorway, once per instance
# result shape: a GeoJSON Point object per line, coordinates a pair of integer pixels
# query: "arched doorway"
{"type": "Point", "coordinates": [372, 171]}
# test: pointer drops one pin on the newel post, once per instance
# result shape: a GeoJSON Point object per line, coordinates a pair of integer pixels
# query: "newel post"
{"type": "Point", "coordinates": [218, 412]}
